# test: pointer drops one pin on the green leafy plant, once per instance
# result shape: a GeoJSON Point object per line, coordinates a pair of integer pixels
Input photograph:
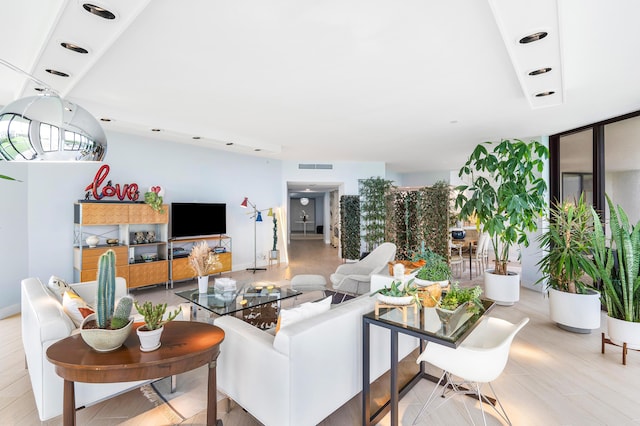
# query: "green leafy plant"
{"type": "Point", "coordinates": [507, 193]}
{"type": "Point", "coordinates": [108, 315]}
{"type": "Point", "coordinates": [568, 243]}
{"type": "Point", "coordinates": [350, 226]}
{"type": "Point", "coordinates": [275, 233]}
{"type": "Point", "coordinates": [9, 178]}
{"type": "Point", "coordinates": [621, 284]}
{"type": "Point", "coordinates": [399, 290]}
{"type": "Point", "coordinates": [373, 210]}
{"type": "Point", "coordinates": [153, 314]}
{"type": "Point", "coordinates": [457, 295]}
{"type": "Point", "coordinates": [154, 199]}
{"type": "Point", "coordinates": [436, 269]}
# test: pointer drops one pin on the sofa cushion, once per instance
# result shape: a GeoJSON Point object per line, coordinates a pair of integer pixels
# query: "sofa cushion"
{"type": "Point", "coordinates": [75, 307]}
{"type": "Point", "coordinates": [304, 311]}
{"type": "Point", "coordinates": [58, 287]}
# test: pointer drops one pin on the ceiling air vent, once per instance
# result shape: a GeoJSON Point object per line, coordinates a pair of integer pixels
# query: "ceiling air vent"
{"type": "Point", "coordinates": [316, 166]}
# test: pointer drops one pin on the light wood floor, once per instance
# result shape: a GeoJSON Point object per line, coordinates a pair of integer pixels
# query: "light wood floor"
{"type": "Point", "coordinates": [553, 377]}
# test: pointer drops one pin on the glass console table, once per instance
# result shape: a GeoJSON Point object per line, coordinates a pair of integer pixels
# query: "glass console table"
{"type": "Point", "coordinates": [426, 326]}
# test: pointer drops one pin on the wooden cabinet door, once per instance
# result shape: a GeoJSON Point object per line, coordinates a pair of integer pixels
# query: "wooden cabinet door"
{"type": "Point", "coordinates": [104, 214]}
{"type": "Point", "coordinates": [143, 213]}
{"type": "Point", "coordinates": [141, 274]}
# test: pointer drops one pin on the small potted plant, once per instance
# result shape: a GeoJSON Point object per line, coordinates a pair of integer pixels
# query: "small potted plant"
{"type": "Point", "coordinates": [154, 197]}
{"type": "Point", "coordinates": [455, 303]}
{"type": "Point", "coordinates": [435, 271]}
{"type": "Point", "coordinates": [154, 321]}
{"type": "Point", "coordinates": [107, 328]}
{"type": "Point", "coordinates": [398, 294]}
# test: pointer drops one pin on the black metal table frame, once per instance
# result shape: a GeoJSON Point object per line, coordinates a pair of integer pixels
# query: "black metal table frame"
{"type": "Point", "coordinates": [395, 328]}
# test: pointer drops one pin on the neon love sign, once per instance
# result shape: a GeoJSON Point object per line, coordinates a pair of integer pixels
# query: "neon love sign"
{"type": "Point", "coordinates": [128, 190]}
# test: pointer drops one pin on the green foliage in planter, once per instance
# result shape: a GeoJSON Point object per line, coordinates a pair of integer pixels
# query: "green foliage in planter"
{"type": "Point", "coordinates": [373, 210]}
{"type": "Point", "coordinates": [398, 290]}
{"type": "Point", "coordinates": [568, 244]}
{"type": "Point", "coordinates": [457, 295]}
{"type": "Point", "coordinates": [350, 226]}
{"type": "Point", "coordinates": [621, 285]}
{"type": "Point", "coordinates": [153, 314]}
{"type": "Point", "coordinates": [275, 233]}
{"type": "Point", "coordinates": [436, 269]}
{"type": "Point", "coordinates": [402, 223]}
{"type": "Point", "coordinates": [507, 193]}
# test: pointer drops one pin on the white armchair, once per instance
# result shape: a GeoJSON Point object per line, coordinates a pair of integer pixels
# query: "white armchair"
{"type": "Point", "coordinates": [355, 277]}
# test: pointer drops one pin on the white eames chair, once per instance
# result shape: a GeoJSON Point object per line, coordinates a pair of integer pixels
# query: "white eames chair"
{"type": "Point", "coordinates": [355, 278]}
{"type": "Point", "coordinates": [480, 359]}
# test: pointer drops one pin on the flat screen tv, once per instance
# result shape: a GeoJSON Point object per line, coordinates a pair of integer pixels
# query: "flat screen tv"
{"type": "Point", "coordinates": [198, 219]}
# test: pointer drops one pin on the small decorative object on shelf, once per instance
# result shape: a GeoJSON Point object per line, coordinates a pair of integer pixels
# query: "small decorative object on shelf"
{"type": "Point", "coordinates": [153, 197]}
{"type": "Point", "coordinates": [92, 241]}
{"type": "Point", "coordinates": [154, 321]}
{"type": "Point", "coordinates": [108, 328]}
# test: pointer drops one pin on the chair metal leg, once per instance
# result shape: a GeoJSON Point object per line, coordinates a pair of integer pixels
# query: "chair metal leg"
{"type": "Point", "coordinates": [431, 397]}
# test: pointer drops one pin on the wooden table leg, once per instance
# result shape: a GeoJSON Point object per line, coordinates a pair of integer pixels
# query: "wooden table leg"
{"type": "Point", "coordinates": [212, 397]}
{"type": "Point", "coordinates": [69, 404]}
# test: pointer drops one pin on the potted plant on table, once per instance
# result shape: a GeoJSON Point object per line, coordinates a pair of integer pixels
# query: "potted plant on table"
{"type": "Point", "coordinates": [204, 262]}
{"type": "Point", "coordinates": [455, 303]}
{"type": "Point", "coordinates": [567, 267]}
{"type": "Point", "coordinates": [398, 294]}
{"type": "Point", "coordinates": [154, 321]}
{"type": "Point", "coordinates": [435, 271]}
{"type": "Point", "coordinates": [507, 196]}
{"type": "Point", "coordinates": [618, 266]}
{"type": "Point", "coordinates": [107, 328]}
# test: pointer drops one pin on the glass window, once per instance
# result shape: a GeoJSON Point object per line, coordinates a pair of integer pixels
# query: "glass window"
{"type": "Point", "coordinates": [576, 166]}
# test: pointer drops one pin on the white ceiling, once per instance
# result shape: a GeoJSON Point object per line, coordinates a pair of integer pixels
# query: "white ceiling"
{"type": "Point", "coordinates": [414, 83]}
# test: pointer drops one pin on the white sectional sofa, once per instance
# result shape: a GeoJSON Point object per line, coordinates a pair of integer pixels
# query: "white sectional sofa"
{"type": "Point", "coordinates": [44, 322]}
{"type": "Point", "coordinates": [309, 369]}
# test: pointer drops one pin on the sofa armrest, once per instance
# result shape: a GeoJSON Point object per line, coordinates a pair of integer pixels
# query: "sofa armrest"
{"type": "Point", "coordinates": [87, 290]}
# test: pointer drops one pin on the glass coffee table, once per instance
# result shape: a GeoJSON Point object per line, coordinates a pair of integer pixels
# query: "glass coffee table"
{"type": "Point", "coordinates": [255, 302]}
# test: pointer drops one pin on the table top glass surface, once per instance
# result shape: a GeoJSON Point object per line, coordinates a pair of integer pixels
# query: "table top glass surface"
{"type": "Point", "coordinates": [427, 323]}
{"type": "Point", "coordinates": [248, 294]}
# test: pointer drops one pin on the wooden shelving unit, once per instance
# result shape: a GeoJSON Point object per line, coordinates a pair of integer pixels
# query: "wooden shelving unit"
{"type": "Point", "coordinates": [124, 221]}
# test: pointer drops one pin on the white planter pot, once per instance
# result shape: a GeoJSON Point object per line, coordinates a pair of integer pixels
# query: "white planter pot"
{"type": "Point", "coordinates": [624, 332]}
{"type": "Point", "coordinates": [426, 283]}
{"type": "Point", "coordinates": [104, 340]}
{"type": "Point", "coordinates": [203, 284]}
{"type": "Point", "coordinates": [578, 313]}
{"type": "Point", "coordinates": [149, 339]}
{"type": "Point", "coordinates": [503, 289]}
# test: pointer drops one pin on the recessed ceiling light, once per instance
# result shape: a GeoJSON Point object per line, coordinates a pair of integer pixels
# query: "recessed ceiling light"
{"type": "Point", "coordinates": [105, 119]}
{"type": "Point", "coordinates": [229, 143]}
{"type": "Point", "coordinates": [39, 89]}
{"type": "Point", "coordinates": [533, 37]}
{"type": "Point", "coordinates": [74, 47]}
{"type": "Point", "coordinates": [196, 137]}
{"type": "Point", "coordinates": [541, 94]}
{"type": "Point", "coordinates": [540, 71]}
{"type": "Point", "coordinates": [98, 11]}
{"type": "Point", "coordinates": [257, 150]}
{"type": "Point", "coordinates": [155, 130]}
{"type": "Point", "coordinates": [56, 72]}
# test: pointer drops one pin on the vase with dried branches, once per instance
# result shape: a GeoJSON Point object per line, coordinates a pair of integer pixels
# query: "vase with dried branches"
{"type": "Point", "coordinates": [204, 262]}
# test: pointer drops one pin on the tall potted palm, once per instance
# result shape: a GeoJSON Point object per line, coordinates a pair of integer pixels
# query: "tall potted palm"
{"type": "Point", "coordinates": [567, 268]}
{"type": "Point", "coordinates": [618, 265]}
{"type": "Point", "coordinates": [506, 194]}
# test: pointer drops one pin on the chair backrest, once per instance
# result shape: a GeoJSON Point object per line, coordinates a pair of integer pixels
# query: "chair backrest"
{"type": "Point", "coordinates": [488, 349]}
{"type": "Point", "coordinates": [482, 244]}
{"type": "Point", "coordinates": [379, 257]}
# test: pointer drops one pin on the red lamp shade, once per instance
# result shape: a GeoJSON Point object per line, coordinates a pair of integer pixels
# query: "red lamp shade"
{"type": "Point", "coordinates": [244, 202]}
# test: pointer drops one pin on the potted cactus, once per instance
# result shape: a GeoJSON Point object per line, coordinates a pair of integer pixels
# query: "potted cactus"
{"type": "Point", "coordinates": [154, 321]}
{"type": "Point", "coordinates": [107, 328]}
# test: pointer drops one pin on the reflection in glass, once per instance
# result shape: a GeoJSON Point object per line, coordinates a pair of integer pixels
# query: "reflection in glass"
{"type": "Point", "coordinates": [576, 166]}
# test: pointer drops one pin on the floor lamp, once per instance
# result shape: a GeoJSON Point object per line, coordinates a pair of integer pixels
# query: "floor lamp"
{"type": "Point", "coordinates": [257, 217]}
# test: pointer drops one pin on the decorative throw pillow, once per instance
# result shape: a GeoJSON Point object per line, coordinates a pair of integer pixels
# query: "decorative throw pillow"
{"type": "Point", "coordinates": [304, 311]}
{"type": "Point", "coordinates": [58, 287]}
{"type": "Point", "coordinates": [75, 307]}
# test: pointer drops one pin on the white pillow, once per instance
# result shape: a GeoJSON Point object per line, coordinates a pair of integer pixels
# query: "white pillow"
{"type": "Point", "coordinates": [304, 311]}
{"type": "Point", "coordinates": [76, 308]}
{"type": "Point", "coordinates": [58, 287]}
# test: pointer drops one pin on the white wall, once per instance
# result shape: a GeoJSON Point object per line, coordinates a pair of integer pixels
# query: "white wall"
{"type": "Point", "coordinates": [425, 178]}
